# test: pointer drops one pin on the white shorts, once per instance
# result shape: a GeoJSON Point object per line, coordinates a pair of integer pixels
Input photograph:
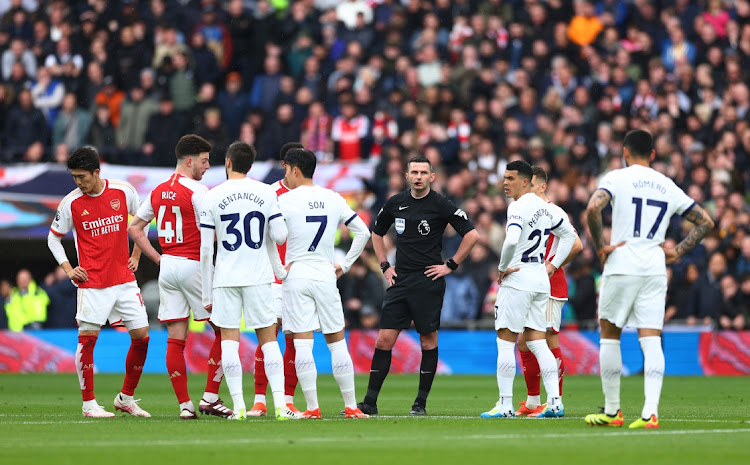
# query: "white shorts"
{"type": "Point", "coordinates": [118, 304]}
{"type": "Point", "coordinates": [180, 290]}
{"type": "Point", "coordinates": [635, 301]}
{"type": "Point", "coordinates": [312, 306]}
{"type": "Point", "coordinates": [516, 310]}
{"type": "Point", "coordinates": [252, 302]}
{"type": "Point", "coordinates": [554, 314]}
{"type": "Point", "coordinates": [277, 295]}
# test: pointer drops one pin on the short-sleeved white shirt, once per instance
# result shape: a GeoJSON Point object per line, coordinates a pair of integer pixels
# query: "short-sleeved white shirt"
{"type": "Point", "coordinates": [643, 201]}
{"type": "Point", "coordinates": [240, 210]}
{"type": "Point", "coordinates": [312, 215]}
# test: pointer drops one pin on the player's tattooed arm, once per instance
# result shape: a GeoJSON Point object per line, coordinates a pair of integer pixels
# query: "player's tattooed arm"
{"type": "Point", "coordinates": [703, 224]}
{"type": "Point", "coordinates": [598, 202]}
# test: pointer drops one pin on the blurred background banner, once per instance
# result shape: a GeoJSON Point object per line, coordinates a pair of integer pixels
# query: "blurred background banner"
{"type": "Point", "coordinates": [29, 194]}
{"type": "Point", "coordinates": [688, 352]}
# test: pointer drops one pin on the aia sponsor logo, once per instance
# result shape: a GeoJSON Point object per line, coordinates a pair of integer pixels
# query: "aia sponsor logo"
{"type": "Point", "coordinates": [115, 204]}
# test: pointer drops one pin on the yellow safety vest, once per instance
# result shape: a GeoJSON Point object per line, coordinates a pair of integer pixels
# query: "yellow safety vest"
{"type": "Point", "coordinates": [25, 309]}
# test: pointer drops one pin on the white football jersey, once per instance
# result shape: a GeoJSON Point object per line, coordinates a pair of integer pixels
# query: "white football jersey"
{"type": "Point", "coordinates": [537, 219]}
{"type": "Point", "coordinates": [643, 202]}
{"type": "Point", "coordinates": [312, 215]}
{"type": "Point", "coordinates": [241, 210]}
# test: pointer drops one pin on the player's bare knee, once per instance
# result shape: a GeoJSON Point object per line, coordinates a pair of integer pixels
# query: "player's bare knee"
{"type": "Point", "coordinates": [138, 333]}
{"type": "Point", "coordinates": [428, 341]}
{"type": "Point", "coordinates": [386, 340]}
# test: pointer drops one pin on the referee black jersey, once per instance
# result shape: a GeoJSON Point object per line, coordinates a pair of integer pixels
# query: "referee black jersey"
{"type": "Point", "coordinates": [419, 225]}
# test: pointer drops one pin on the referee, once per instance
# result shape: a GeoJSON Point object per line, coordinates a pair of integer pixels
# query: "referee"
{"type": "Point", "coordinates": [416, 286]}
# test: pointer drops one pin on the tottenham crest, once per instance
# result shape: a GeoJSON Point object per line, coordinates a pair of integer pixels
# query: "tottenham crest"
{"type": "Point", "coordinates": [424, 228]}
{"type": "Point", "coordinates": [400, 225]}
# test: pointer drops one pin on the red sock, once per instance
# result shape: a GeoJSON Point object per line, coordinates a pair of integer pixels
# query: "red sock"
{"type": "Point", "coordinates": [531, 372]}
{"type": "Point", "coordinates": [290, 373]}
{"type": "Point", "coordinates": [85, 365]}
{"type": "Point", "coordinates": [261, 381]}
{"type": "Point", "coordinates": [215, 371]}
{"type": "Point", "coordinates": [560, 365]}
{"type": "Point", "coordinates": [134, 364]}
{"type": "Point", "coordinates": [177, 368]}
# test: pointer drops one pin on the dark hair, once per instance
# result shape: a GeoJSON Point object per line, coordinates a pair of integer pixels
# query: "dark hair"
{"type": "Point", "coordinates": [419, 159]}
{"type": "Point", "coordinates": [539, 172]}
{"type": "Point", "coordinates": [242, 156]}
{"type": "Point", "coordinates": [640, 144]}
{"type": "Point", "coordinates": [287, 147]}
{"type": "Point", "coordinates": [190, 145]}
{"type": "Point", "coordinates": [523, 168]}
{"type": "Point", "coordinates": [84, 158]}
{"type": "Point", "coordinates": [303, 159]}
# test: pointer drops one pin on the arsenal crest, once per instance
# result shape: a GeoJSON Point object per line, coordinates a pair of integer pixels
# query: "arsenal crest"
{"type": "Point", "coordinates": [115, 204]}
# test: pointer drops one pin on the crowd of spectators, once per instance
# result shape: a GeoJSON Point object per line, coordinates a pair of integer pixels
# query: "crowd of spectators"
{"type": "Point", "coordinates": [471, 84]}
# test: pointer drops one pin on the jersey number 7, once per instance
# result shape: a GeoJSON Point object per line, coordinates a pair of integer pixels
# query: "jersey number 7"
{"type": "Point", "coordinates": [323, 220]}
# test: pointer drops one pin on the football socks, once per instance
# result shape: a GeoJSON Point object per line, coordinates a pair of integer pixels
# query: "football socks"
{"type": "Point", "coordinates": [274, 365]}
{"type": "Point", "coordinates": [547, 367]}
{"type": "Point", "coordinates": [653, 374]}
{"type": "Point", "coordinates": [290, 372]}
{"type": "Point", "coordinates": [427, 370]}
{"type": "Point", "coordinates": [230, 359]}
{"type": "Point", "coordinates": [506, 371]}
{"type": "Point", "coordinates": [134, 364]}
{"type": "Point", "coordinates": [343, 372]}
{"type": "Point", "coordinates": [214, 370]}
{"type": "Point", "coordinates": [610, 365]}
{"type": "Point", "coordinates": [381, 363]}
{"type": "Point", "coordinates": [177, 369]}
{"type": "Point", "coordinates": [307, 374]}
{"type": "Point", "coordinates": [557, 352]}
{"type": "Point", "coordinates": [85, 366]}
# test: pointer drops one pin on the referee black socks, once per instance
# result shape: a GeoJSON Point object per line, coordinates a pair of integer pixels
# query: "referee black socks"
{"type": "Point", "coordinates": [427, 370]}
{"type": "Point", "coordinates": [381, 364]}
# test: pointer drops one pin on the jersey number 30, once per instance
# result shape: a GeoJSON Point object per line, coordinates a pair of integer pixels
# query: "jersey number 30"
{"type": "Point", "coordinates": [233, 219]}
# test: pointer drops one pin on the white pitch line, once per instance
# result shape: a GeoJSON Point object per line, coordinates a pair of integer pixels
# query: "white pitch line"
{"type": "Point", "coordinates": [249, 441]}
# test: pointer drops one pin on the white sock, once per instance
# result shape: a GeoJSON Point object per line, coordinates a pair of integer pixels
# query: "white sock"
{"type": "Point", "coordinates": [230, 360]}
{"type": "Point", "coordinates": [343, 371]}
{"type": "Point", "coordinates": [288, 399]}
{"type": "Point", "coordinates": [187, 405]}
{"type": "Point", "coordinates": [653, 374]}
{"type": "Point", "coordinates": [307, 374]}
{"type": "Point", "coordinates": [506, 370]}
{"type": "Point", "coordinates": [125, 397]}
{"type": "Point", "coordinates": [610, 367]}
{"type": "Point", "coordinates": [533, 402]}
{"type": "Point", "coordinates": [260, 398]}
{"type": "Point", "coordinates": [274, 364]}
{"type": "Point", "coordinates": [210, 397]}
{"type": "Point", "coordinates": [90, 404]}
{"type": "Point", "coordinates": [547, 368]}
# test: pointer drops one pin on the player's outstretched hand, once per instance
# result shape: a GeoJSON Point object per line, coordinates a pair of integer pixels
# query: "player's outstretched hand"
{"type": "Point", "coordinates": [389, 275]}
{"type": "Point", "coordinates": [606, 250]}
{"type": "Point", "coordinates": [670, 255]}
{"type": "Point", "coordinates": [505, 273]}
{"type": "Point", "coordinates": [78, 274]}
{"type": "Point", "coordinates": [339, 271]}
{"type": "Point", "coordinates": [133, 264]}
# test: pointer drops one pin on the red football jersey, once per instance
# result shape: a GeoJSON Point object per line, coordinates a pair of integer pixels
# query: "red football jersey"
{"type": "Point", "coordinates": [280, 188]}
{"type": "Point", "coordinates": [176, 204]}
{"type": "Point", "coordinates": [100, 229]}
{"type": "Point", "coordinates": [557, 282]}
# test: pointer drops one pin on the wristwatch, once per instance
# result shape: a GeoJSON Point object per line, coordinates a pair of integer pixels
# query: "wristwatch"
{"type": "Point", "coordinates": [384, 266]}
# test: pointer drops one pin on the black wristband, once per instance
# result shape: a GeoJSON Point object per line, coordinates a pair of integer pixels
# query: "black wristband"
{"type": "Point", "coordinates": [451, 264]}
{"type": "Point", "coordinates": [384, 266]}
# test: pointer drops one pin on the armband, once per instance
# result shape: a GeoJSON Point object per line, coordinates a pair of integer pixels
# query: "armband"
{"type": "Point", "coordinates": [451, 264]}
{"type": "Point", "coordinates": [384, 266]}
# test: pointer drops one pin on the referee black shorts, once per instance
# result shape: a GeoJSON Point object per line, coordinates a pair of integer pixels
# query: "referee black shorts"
{"type": "Point", "coordinates": [413, 297]}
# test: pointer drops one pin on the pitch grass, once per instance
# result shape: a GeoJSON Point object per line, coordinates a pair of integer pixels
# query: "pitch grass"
{"type": "Point", "coordinates": [704, 420]}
